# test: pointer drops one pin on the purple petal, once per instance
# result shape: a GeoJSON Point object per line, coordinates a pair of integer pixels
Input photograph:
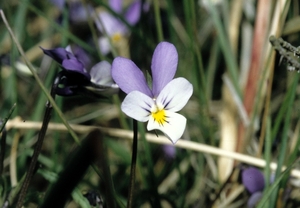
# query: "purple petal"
{"type": "Point", "coordinates": [164, 66]}
{"type": "Point", "coordinates": [110, 25]}
{"type": "Point", "coordinates": [82, 56]}
{"type": "Point", "coordinates": [129, 77]}
{"type": "Point", "coordinates": [116, 5]}
{"type": "Point", "coordinates": [58, 54]}
{"type": "Point", "coordinates": [74, 65]}
{"type": "Point", "coordinates": [253, 180]}
{"type": "Point", "coordinates": [133, 13]}
{"type": "Point", "coordinates": [254, 199]}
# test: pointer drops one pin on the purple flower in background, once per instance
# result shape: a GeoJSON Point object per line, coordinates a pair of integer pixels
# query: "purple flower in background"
{"type": "Point", "coordinates": [58, 3]}
{"type": "Point", "coordinates": [158, 105]}
{"type": "Point", "coordinates": [253, 179]}
{"type": "Point", "coordinates": [113, 26]}
{"type": "Point", "coordinates": [254, 199]}
{"type": "Point", "coordinates": [75, 77]}
{"type": "Point", "coordinates": [169, 151]}
{"type": "Point", "coordinates": [254, 182]}
{"type": "Point", "coordinates": [77, 12]}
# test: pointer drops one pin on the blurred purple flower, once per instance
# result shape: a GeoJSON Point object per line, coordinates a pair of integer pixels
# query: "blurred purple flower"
{"type": "Point", "coordinates": [60, 4]}
{"type": "Point", "coordinates": [158, 105]}
{"type": "Point", "coordinates": [253, 179]}
{"type": "Point", "coordinates": [77, 12]}
{"type": "Point", "coordinates": [113, 26]}
{"type": "Point", "coordinates": [169, 151]}
{"type": "Point", "coordinates": [254, 199]}
{"type": "Point", "coordinates": [75, 76]}
{"type": "Point", "coordinates": [254, 182]}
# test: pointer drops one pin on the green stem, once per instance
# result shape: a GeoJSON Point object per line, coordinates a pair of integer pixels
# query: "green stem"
{"type": "Point", "coordinates": [225, 47]}
{"type": "Point", "coordinates": [158, 21]}
{"type": "Point", "coordinates": [284, 138]}
{"type": "Point", "coordinates": [133, 164]}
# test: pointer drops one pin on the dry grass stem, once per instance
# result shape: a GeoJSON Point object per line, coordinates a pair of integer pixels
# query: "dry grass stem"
{"type": "Point", "coordinates": [125, 134]}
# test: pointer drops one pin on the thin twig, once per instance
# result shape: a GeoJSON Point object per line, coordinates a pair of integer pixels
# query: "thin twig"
{"type": "Point", "coordinates": [3, 123]}
{"type": "Point", "coordinates": [35, 155]}
{"type": "Point", "coordinates": [287, 51]}
{"type": "Point", "coordinates": [3, 137]}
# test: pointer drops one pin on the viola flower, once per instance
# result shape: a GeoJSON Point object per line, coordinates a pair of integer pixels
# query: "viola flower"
{"type": "Point", "coordinates": [167, 96]}
{"type": "Point", "coordinates": [113, 27]}
{"type": "Point", "coordinates": [76, 78]}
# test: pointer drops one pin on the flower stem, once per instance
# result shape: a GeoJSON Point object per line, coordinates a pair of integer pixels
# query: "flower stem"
{"type": "Point", "coordinates": [133, 164]}
{"type": "Point", "coordinates": [38, 147]}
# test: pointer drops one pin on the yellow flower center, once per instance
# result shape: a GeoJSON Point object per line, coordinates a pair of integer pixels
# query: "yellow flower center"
{"type": "Point", "coordinates": [116, 38]}
{"type": "Point", "coordinates": [160, 116]}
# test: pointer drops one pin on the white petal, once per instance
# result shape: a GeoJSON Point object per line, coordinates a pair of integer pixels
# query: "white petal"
{"type": "Point", "coordinates": [104, 45]}
{"type": "Point", "coordinates": [175, 94]}
{"type": "Point", "coordinates": [101, 73]}
{"type": "Point", "coordinates": [23, 68]}
{"type": "Point", "coordinates": [173, 128]}
{"type": "Point", "coordinates": [69, 49]}
{"type": "Point", "coordinates": [138, 106]}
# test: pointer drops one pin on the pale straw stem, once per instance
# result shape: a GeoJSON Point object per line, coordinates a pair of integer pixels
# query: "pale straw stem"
{"type": "Point", "coordinates": [125, 134]}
